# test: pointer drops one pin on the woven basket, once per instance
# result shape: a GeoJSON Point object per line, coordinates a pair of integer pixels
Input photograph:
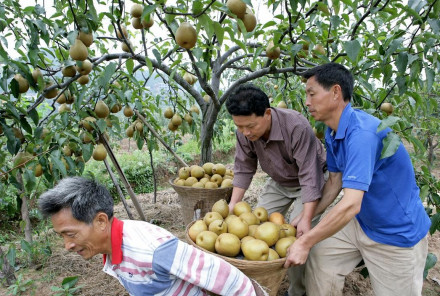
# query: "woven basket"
{"type": "Point", "coordinates": [196, 202]}
{"type": "Point", "coordinates": [268, 274]}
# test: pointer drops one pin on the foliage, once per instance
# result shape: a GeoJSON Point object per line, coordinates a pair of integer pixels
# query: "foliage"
{"type": "Point", "coordinates": [67, 287]}
{"type": "Point", "coordinates": [20, 286]}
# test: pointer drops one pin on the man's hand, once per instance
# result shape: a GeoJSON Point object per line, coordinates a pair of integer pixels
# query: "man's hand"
{"type": "Point", "coordinates": [296, 220]}
{"type": "Point", "coordinates": [303, 226]}
{"type": "Point", "coordinates": [297, 254]}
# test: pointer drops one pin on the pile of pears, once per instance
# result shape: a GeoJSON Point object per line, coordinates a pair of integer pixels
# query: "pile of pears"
{"type": "Point", "coordinates": [244, 234]}
{"type": "Point", "coordinates": [210, 176]}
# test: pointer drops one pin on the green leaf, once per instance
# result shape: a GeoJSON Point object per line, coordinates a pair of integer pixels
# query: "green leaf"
{"type": "Point", "coordinates": [157, 56]}
{"type": "Point", "coordinates": [402, 62]}
{"type": "Point", "coordinates": [430, 74]}
{"type": "Point", "coordinates": [30, 180]}
{"type": "Point", "coordinates": [33, 114]}
{"type": "Point", "coordinates": [431, 260]}
{"type": "Point", "coordinates": [26, 246]}
{"type": "Point", "coordinates": [130, 65]}
{"type": "Point", "coordinates": [390, 145]}
{"type": "Point", "coordinates": [58, 164]}
{"type": "Point", "coordinates": [11, 255]}
{"type": "Point", "coordinates": [69, 282]}
{"type": "Point", "coordinates": [352, 48]}
{"type": "Point", "coordinates": [107, 75]}
{"type": "Point", "coordinates": [140, 142]}
{"type": "Point", "coordinates": [435, 223]}
{"type": "Point", "coordinates": [149, 65]}
{"type": "Point", "coordinates": [87, 150]}
{"type": "Point", "coordinates": [25, 125]}
{"type": "Point", "coordinates": [219, 32]}
{"type": "Point", "coordinates": [387, 122]}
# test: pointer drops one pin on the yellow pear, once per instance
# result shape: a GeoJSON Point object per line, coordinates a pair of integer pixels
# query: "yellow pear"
{"type": "Point", "coordinates": [287, 230]}
{"type": "Point", "coordinates": [226, 183]}
{"type": "Point", "coordinates": [237, 7]}
{"type": "Point", "coordinates": [227, 244]}
{"type": "Point", "coordinates": [194, 109]}
{"type": "Point", "coordinates": [206, 240]}
{"type": "Point", "coordinates": [206, 98]}
{"type": "Point", "coordinates": [126, 45]}
{"type": "Point", "coordinates": [207, 167]}
{"type": "Point", "coordinates": [36, 74]}
{"type": "Point", "coordinates": [84, 67]}
{"type": "Point", "coordinates": [188, 118]}
{"type": "Point", "coordinates": [282, 104]}
{"type": "Point", "coordinates": [387, 108]}
{"type": "Point", "coordinates": [252, 229]}
{"type": "Point", "coordinates": [283, 244]}
{"type": "Point", "coordinates": [78, 51]}
{"type": "Point", "coordinates": [86, 38]}
{"type": "Point", "coordinates": [190, 181]}
{"type": "Point", "coordinates": [211, 216]}
{"type": "Point", "coordinates": [273, 52]}
{"type": "Point", "coordinates": [69, 71]}
{"type": "Point", "coordinates": [83, 80]}
{"type": "Point", "coordinates": [219, 168]}
{"type": "Point", "coordinates": [101, 109]}
{"type": "Point", "coordinates": [168, 113]}
{"type": "Point", "coordinates": [64, 108]}
{"type": "Point", "coordinates": [186, 35]}
{"type": "Point", "coordinates": [121, 32]}
{"type": "Point", "coordinates": [38, 170]}
{"type": "Point", "coordinates": [268, 232]}
{"type": "Point", "coordinates": [86, 123]}
{"type": "Point", "coordinates": [249, 218]}
{"type": "Point", "coordinates": [238, 227]}
{"type": "Point", "coordinates": [148, 24]}
{"type": "Point", "coordinates": [218, 226]}
{"type": "Point", "coordinates": [136, 10]}
{"type": "Point", "coordinates": [184, 173]}
{"type": "Point", "coordinates": [18, 134]}
{"type": "Point", "coordinates": [241, 207]}
{"type": "Point", "coordinates": [99, 153]}
{"type": "Point", "coordinates": [255, 250]}
{"type": "Point", "coordinates": [211, 185]}
{"type": "Point", "coordinates": [197, 227]}
{"type": "Point", "coordinates": [176, 120]}
{"type": "Point", "coordinates": [261, 214]}
{"type": "Point", "coordinates": [128, 112]}
{"type": "Point", "coordinates": [249, 20]}
{"type": "Point", "coordinates": [273, 255]}
{"type": "Point", "coordinates": [136, 23]}
{"type": "Point", "coordinates": [172, 127]}
{"type": "Point", "coordinates": [23, 84]}
{"type": "Point", "coordinates": [197, 172]}
{"type": "Point", "coordinates": [221, 207]}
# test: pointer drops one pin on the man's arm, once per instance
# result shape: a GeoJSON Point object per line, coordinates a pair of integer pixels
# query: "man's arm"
{"type": "Point", "coordinates": [334, 221]}
{"type": "Point", "coordinates": [237, 195]}
{"type": "Point", "coordinates": [307, 214]}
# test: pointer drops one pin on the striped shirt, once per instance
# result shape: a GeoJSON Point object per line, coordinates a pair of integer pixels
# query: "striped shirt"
{"type": "Point", "coordinates": [148, 260]}
{"type": "Point", "coordinates": [292, 156]}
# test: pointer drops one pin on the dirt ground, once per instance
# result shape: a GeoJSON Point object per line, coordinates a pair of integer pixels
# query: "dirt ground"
{"type": "Point", "coordinates": [166, 213]}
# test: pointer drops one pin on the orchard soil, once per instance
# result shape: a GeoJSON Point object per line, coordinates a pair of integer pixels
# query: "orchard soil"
{"type": "Point", "coordinates": [166, 213]}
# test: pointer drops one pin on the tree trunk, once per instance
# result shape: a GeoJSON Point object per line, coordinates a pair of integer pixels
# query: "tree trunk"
{"type": "Point", "coordinates": [25, 211]}
{"type": "Point", "coordinates": [209, 119]}
{"type": "Point", "coordinates": [6, 271]}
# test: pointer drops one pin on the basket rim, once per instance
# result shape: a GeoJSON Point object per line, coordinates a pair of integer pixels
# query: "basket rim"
{"type": "Point", "coordinates": [280, 261]}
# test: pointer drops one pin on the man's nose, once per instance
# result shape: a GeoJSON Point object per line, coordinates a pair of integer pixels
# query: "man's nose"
{"type": "Point", "coordinates": [68, 245]}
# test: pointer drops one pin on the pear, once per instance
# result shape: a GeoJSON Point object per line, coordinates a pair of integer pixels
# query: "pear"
{"type": "Point", "coordinates": [85, 138]}
{"type": "Point", "coordinates": [51, 93]}
{"type": "Point", "coordinates": [249, 218]}
{"type": "Point", "coordinates": [190, 181]}
{"type": "Point", "coordinates": [226, 183]}
{"type": "Point", "coordinates": [67, 151]}
{"type": "Point", "coordinates": [268, 232]}
{"type": "Point", "coordinates": [136, 23]}
{"type": "Point", "coordinates": [38, 170]}
{"type": "Point", "coordinates": [128, 112]}
{"type": "Point", "coordinates": [272, 52]}
{"type": "Point", "coordinates": [36, 74]}
{"type": "Point", "coordinates": [227, 244]}
{"type": "Point", "coordinates": [184, 173]}
{"type": "Point", "coordinates": [78, 51]}
{"type": "Point", "coordinates": [69, 71]}
{"type": "Point", "coordinates": [194, 109]}
{"type": "Point", "coordinates": [191, 79]}
{"type": "Point", "coordinates": [221, 207]}
{"type": "Point", "coordinates": [22, 158]}
{"type": "Point", "coordinates": [64, 108]}
{"type": "Point", "coordinates": [18, 134]}
{"type": "Point", "coordinates": [241, 207]}
{"type": "Point", "coordinates": [126, 46]}
{"type": "Point", "coordinates": [176, 120]}
{"type": "Point", "coordinates": [116, 108]}
{"type": "Point", "coordinates": [121, 32]}
{"type": "Point", "coordinates": [129, 131]}
{"type": "Point", "coordinates": [136, 10]}
{"type": "Point", "coordinates": [387, 108]}
{"type": "Point", "coordinates": [319, 48]}
{"type": "Point", "coordinates": [197, 227]}
{"type": "Point", "coordinates": [283, 244]}
{"type": "Point", "coordinates": [186, 35]}
{"type": "Point", "coordinates": [237, 7]}
{"type": "Point", "coordinates": [216, 178]}
{"type": "Point", "coordinates": [99, 153]}
{"type": "Point", "coordinates": [172, 127]}
{"type": "Point", "coordinates": [84, 67]}
{"type": "Point", "coordinates": [219, 168]}
{"type": "Point", "coordinates": [238, 227]}
{"type": "Point", "coordinates": [168, 113]}
{"type": "Point", "coordinates": [148, 24]}
{"type": "Point", "coordinates": [197, 172]}
{"type": "Point", "coordinates": [249, 20]}
{"type": "Point", "coordinates": [211, 185]}
{"type": "Point", "coordinates": [206, 240]}
{"type": "Point", "coordinates": [207, 167]}
{"type": "Point", "coordinates": [86, 38]}
{"type": "Point", "coordinates": [139, 127]}
{"type": "Point", "coordinates": [101, 109]}
{"type": "Point", "coordinates": [218, 226]}
{"type": "Point", "coordinates": [273, 255]}
{"type": "Point", "coordinates": [211, 216]}
{"type": "Point", "coordinates": [282, 104]}
{"type": "Point", "coordinates": [287, 230]}
{"type": "Point", "coordinates": [198, 185]}
{"type": "Point", "coordinates": [255, 250]}
{"type": "Point", "coordinates": [23, 84]}
{"type": "Point", "coordinates": [83, 80]}
{"type": "Point", "coordinates": [206, 98]}
{"type": "Point", "coordinates": [261, 214]}
{"type": "Point", "coordinates": [85, 123]}
{"type": "Point", "coordinates": [204, 180]}
{"type": "Point", "coordinates": [188, 118]}
{"type": "Point", "coordinates": [252, 229]}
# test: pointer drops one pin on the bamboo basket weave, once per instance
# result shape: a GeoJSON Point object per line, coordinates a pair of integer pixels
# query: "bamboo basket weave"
{"type": "Point", "coordinates": [196, 202]}
{"type": "Point", "coordinates": [268, 274]}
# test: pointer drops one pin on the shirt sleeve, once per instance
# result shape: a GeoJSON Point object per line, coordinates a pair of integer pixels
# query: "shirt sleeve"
{"type": "Point", "coordinates": [306, 150]}
{"type": "Point", "coordinates": [201, 269]}
{"type": "Point", "coordinates": [245, 164]}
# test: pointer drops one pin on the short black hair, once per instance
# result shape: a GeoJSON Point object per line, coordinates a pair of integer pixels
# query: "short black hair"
{"type": "Point", "coordinates": [84, 197]}
{"type": "Point", "coordinates": [330, 74]}
{"type": "Point", "coordinates": [246, 100]}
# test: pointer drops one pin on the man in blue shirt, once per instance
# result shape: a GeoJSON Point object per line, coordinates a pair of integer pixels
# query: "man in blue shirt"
{"type": "Point", "coordinates": [380, 217]}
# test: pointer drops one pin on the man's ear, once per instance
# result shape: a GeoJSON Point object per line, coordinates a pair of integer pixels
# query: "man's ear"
{"type": "Point", "coordinates": [101, 221]}
{"type": "Point", "coordinates": [268, 111]}
{"type": "Point", "coordinates": [337, 91]}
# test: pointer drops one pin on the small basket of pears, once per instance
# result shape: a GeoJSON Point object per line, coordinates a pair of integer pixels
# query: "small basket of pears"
{"type": "Point", "coordinates": [199, 187]}
{"type": "Point", "coordinates": [251, 240]}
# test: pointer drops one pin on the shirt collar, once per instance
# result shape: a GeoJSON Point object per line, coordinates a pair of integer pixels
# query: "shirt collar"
{"type": "Point", "coordinates": [343, 121]}
{"type": "Point", "coordinates": [116, 241]}
{"type": "Point", "coordinates": [275, 129]}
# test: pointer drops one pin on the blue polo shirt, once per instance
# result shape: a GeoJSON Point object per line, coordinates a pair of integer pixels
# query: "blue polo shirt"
{"type": "Point", "coordinates": [391, 211]}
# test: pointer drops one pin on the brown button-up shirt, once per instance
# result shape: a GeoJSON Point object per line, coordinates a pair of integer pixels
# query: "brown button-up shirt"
{"type": "Point", "coordinates": [292, 155]}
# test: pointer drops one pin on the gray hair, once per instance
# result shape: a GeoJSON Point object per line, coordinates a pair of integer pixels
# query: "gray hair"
{"type": "Point", "coordinates": [84, 197]}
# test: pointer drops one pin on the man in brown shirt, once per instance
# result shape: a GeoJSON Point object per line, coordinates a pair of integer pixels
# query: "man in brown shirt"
{"type": "Point", "coordinates": [284, 144]}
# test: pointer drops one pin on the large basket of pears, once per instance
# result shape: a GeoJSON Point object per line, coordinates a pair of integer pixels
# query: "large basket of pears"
{"type": "Point", "coordinates": [199, 187]}
{"type": "Point", "coordinates": [251, 240]}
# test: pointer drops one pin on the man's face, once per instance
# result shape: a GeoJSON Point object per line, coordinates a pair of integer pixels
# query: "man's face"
{"type": "Point", "coordinates": [84, 239]}
{"type": "Point", "coordinates": [254, 127]}
{"type": "Point", "coordinates": [319, 101]}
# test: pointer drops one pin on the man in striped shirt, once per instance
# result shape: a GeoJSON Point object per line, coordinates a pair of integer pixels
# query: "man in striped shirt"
{"type": "Point", "coordinates": [145, 258]}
